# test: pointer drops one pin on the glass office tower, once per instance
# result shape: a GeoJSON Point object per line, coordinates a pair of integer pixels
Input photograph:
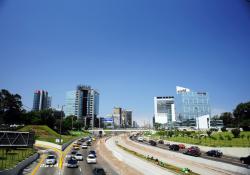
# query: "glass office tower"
{"type": "Point", "coordinates": [191, 105]}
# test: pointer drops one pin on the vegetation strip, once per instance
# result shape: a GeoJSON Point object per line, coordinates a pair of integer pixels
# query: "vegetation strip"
{"type": "Point", "coordinates": [155, 161]}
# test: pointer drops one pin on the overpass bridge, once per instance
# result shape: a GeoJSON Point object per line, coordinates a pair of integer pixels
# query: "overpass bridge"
{"type": "Point", "coordinates": [120, 130]}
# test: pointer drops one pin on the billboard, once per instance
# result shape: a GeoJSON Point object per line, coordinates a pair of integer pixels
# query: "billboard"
{"type": "Point", "coordinates": [108, 120]}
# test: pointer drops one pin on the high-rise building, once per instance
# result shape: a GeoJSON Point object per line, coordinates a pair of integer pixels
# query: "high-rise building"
{"type": "Point", "coordinates": [117, 115]}
{"type": "Point", "coordinates": [164, 110]}
{"type": "Point", "coordinates": [83, 103]}
{"type": "Point", "coordinates": [41, 100]}
{"type": "Point", "coordinates": [126, 118]}
{"type": "Point", "coordinates": [191, 105]}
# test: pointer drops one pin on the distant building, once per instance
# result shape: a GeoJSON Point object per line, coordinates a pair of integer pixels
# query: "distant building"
{"type": "Point", "coordinates": [164, 110]}
{"type": "Point", "coordinates": [126, 118]}
{"type": "Point", "coordinates": [41, 100]}
{"type": "Point", "coordinates": [83, 103]}
{"type": "Point", "coordinates": [117, 115]}
{"type": "Point", "coordinates": [191, 105]}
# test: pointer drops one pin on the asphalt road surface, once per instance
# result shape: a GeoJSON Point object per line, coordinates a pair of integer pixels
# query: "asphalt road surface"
{"type": "Point", "coordinates": [84, 167]}
{"type": "Point", "coordinates": [224, 159]}
{"type": "Point", "coordinates": [43, 168]}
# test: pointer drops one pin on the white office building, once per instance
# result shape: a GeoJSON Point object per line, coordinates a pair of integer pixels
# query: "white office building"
{"type": "Point", "coordinates": [164, 110]}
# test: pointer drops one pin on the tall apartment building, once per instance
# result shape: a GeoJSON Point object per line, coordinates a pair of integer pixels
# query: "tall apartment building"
{"type": "Point", "coordinates": [164, 110]}
{"type": "Point", "coordinates": [41, 100]}
{"type": "Point", "coordinates": [191, 105]}
{"type": "Point", "coordinates": [83, 103]}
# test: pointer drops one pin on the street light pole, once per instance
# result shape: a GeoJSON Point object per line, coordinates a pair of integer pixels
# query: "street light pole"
{"type": "Point", "coordinates": [197, 119]}
{"type": "Point", "coordinates": [61, 124]}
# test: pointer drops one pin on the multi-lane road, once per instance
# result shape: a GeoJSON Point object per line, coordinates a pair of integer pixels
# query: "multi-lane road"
{"type": "Point", "coordinates": [40, 168]}
{"type": "Point", "coordinates": [225, 159]}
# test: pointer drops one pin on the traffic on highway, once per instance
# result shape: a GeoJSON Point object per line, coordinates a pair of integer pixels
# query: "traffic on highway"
{"type": "Point", "coordinates": [192, 151]}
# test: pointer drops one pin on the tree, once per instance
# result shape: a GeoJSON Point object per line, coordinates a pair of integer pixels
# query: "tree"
{"type": "Point", "coordinates": [209, 133]}
{"type": "Point", "coordinates": [157, 126]}
{"type": "Point", "coordinates": [242, 114]}
{"type": "Point", "coordinates": [10, 107]}
{"type": "Point", "coordinates": [228, 119]}
{"type": "Point", "coordinates": [236, 132]}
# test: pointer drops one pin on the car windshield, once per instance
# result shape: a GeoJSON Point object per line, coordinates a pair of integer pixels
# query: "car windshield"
{"type": "Point", "coordinates": [78, 154]}
{"type": "Point", "coordinates": [72, 161]}
{"type": "Point", "coordinates": [91, 156]}
{"type": "Point", "coordinates": [51, 157]}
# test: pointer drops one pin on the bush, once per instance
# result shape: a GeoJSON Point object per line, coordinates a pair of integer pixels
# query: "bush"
{"type": "Point", "coordinates": [209, 132]}
{"type": "Point", "coordinates": [224, 129]}
{"type": "Point", "coordinates": [221, 137]}
{"type": "Point", "coordinates": [236, 132]}
{"type": "Point", "coordinates": [228, 137]}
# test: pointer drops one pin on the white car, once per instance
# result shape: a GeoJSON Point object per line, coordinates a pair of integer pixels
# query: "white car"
{"type": "Point", "coordinates": [50, 160]}
{"type": "Point", "coordinates": [140, 139]}
{"type": "Point", "coordinates": [84, 146]}
{"type": "Point", "coordinates": [78, 156]}
{"type": "Point", "coordinates": [91, 158]}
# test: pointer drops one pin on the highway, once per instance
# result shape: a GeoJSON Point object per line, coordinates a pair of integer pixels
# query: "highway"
{"type": "Point", "coordinates": [39, 167]}
{"type": "Point", "coordinates": [196, 164]}
{"type": "Point", "coordinates": [138, 164]}
{"type": "Point", "coordinates": [224, 159]}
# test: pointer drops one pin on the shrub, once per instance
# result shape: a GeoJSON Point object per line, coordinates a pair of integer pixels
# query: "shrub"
{"type": "Point", "coordinates": [221, 137]}
{"type": "Point", "coordinates": [236, 132]}
{"type": "Point", "coordinates": [224, 129]}
{"type": "Point", "coordinates": [242, 136]}
{"type": "Point", "coordinates": [209, 132]}
{"type": "Point", "coordinates": [228, 137]}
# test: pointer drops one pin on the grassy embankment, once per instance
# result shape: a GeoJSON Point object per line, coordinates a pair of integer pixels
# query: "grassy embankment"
{"type": "Point", "coordinates": [45, 133]}
{"type": "Point", "coordinates": [217, 139]}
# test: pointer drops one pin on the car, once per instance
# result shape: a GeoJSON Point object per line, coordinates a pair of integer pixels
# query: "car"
{"type": "Point", "coordinates": [245, 160]}
{"type": "Point", "coordinates": [50, 160]}
{"type": "Point", "coordinates": [91, 158]}
{"type": "Point", "coordinates": [182, 146]}
{"type": "Point", "coordinates": [79, 156]}
{"type": "Point", "coordinates": [99, 171]}
{"type": "Point", "coordinates": [160, 141]}
{"type": "Point", "coordinates": [152, 143]}
{"type": "Point", "coordinates": [167, 144]}
{"type": "Point", "coordinates": [93, 139]}
{"type": "Point", "coordinates": [214, 153]}
{"type": "Point", "coordinates": [79, 142]}
{"type": "Point", "coordinates": [76, 147]}
{"type": "Point", "coordinates": [84, 146]}
{"type": "Point", "coordinates": [140, 139]}
{"type": "Point", "coordinates": [72, 163]}
{"type": "Point", "coordinates": [193, 151]}
{"type": "Point", "coordinates": [174, 147]}
{"type": "Point", "coordinates": [88, 143]}
{"type": "Point", "coordinates": [92, 152]}
{"type": "Point", "coordinates": [73, 152]}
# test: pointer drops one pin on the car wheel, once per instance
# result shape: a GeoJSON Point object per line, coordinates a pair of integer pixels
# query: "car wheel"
{"type": "Point", "coordinates": [243, 161]}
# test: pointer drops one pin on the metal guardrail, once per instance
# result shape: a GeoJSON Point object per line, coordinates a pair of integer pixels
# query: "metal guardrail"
{"type": "Point", "coordinates": [20, 166]}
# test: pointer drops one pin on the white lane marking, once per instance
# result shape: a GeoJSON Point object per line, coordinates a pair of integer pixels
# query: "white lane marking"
{"type": "Point", "coordinates": [80, 169]}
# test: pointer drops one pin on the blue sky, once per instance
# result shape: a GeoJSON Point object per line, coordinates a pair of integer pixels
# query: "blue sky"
{"type": "Point", "coordinates": [129, 50]}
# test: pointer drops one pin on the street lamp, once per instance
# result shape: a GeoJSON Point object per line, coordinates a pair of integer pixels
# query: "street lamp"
{"type": "Point", "coordinates": [61, 124]}
{"type": "Point", "coordinates": [197, 118]}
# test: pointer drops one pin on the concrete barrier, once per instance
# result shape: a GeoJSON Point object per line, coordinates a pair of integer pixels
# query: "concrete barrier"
{"type": "Point", "coordinates": [21, 165]}
{"type": "Point", "coordinates": [65, 145]}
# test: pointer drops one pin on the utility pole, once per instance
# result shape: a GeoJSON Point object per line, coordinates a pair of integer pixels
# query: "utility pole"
{"type": "Point", "coordinates": [61, 124]}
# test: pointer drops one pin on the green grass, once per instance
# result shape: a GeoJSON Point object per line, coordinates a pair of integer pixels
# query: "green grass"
{"type": "Point", "coordinates": [217, 139]}
{"type": "Point", "coordinates": [13, 157]}
{"type": "Point", "coordinates": [80, 133]}
{"type": "Point", "coordinates": [157, 162]}
{"type": "Point", "coordinates": [44, 133]}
